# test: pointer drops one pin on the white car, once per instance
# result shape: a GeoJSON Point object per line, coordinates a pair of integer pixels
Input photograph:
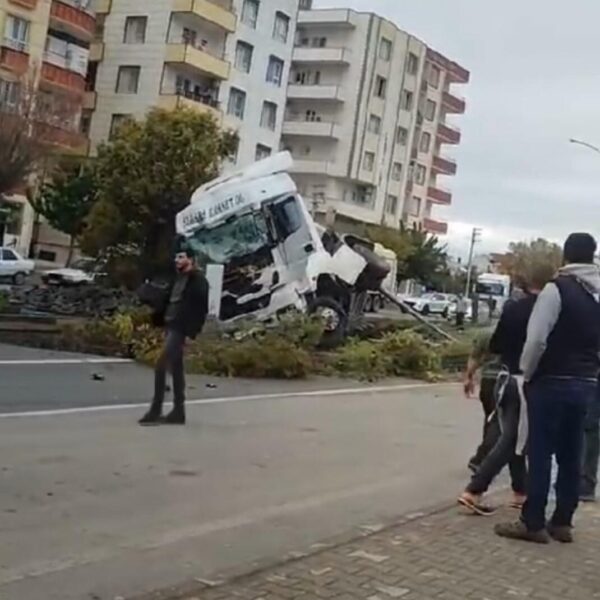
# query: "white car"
{"type": "Point", "coordinates": [14, 266]}
{"type": "Point", "coordinates": [431, 304]}
{"type": "Point", "coordinates": [81, 272]}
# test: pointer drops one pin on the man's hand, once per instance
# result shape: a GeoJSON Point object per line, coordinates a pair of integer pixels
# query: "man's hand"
{"type": "Point", "coordinates": [469, 386]}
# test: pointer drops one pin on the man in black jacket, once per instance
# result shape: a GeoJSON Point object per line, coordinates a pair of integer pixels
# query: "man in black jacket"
{"type": "Point", "coordinates": [183, 317]}
{"type": "Point", "coordinates": [560, 365]}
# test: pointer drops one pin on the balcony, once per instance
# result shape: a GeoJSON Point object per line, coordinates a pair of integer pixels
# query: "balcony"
{"type": "Point", "coordinates": [456, 73]}
{"type": "Point", "coordinates": [332, 93]}
{"type": "Point", "coordinates": [199, 60]}
{"type": "Point", "coordinates": [60, 77]}
{"type": "Point", "coordinates": [308, 54]}
{"type": "Point", "coordinates": [453, 104]}
{"type": "Point", "coordinates": [436, 227]}
{"type": "Point", "coordinates": [439, 196]}
{"type": "Point", "coordinates": [316, 167]}
{"type": "Point", "coordinates": [69, 17]}
{"type": "Point", "coordinates": [199, 103]}
{"type": "Point", "coordinates": [311, 129]}
{"type": "Point", "coordinates": [212, 11]}
{"type": "Point", "coordinates": [103, 7]}
{"type": "Point", "coordinates": [448, 134]}
{"type": "Point", "coordinates": [334, 17]}
{"type": "Point", "coordinates": [444, 166]}
{"type": "Point", "coordinates": [14, 56]}
{"type": "Point", "coordinates": [96, 52]}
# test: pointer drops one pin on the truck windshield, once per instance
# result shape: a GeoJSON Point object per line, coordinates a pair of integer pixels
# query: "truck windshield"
{"type": "Point", "coordinates": [240, 236]}
{"type": "Point", "coordinates": [491, 289]}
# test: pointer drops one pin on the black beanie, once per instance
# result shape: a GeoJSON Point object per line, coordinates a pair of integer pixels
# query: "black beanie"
{"type": "Point", "coordinates": [580, 248]}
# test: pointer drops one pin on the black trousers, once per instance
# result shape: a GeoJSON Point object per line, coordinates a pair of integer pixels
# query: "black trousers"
{"type": "Point", "coordinates": [591, 447]}
{"type": "Point", "coordinates": [491, 431]}
{"type": "Point", "coordinates": [503, 451]}
{"type": "Point", "coordinates": [171, 359]}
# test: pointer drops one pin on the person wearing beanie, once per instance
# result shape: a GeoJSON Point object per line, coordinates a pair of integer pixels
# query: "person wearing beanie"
{"type": "Point", "coordinates": [183, 315]}
{"type": "Point", "coordinates": [560, 365]}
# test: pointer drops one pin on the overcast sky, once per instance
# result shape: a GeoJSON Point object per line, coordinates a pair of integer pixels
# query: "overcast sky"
{"type": "Point", "coordinates": [535, 83]}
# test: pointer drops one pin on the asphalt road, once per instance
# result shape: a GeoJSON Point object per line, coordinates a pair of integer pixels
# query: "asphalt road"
{"type": "Point", "coordinates": [94, 507]}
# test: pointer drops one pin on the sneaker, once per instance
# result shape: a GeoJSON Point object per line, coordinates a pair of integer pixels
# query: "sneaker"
{"type": "Point", "coordinates": [175, 417]}
{"type": "Point", "coordinates": [518, 531]}
{"type": "Point", "coordinates": [152, 417]}
{"type": "Point", "coordinates": [562, 534]}
{"type": "Point", "coordinates": [587, 498]}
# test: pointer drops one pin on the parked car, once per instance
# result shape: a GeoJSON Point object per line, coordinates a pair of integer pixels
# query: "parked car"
{"type": "Point", "coordinates": [81, 272]}
{"type": "Point", "coordinates": [430, 304]}
{"type": "Point", "coordinates": [14, 266]}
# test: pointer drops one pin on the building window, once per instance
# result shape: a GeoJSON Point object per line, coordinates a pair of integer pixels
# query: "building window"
{"type": "Point", "coordinates": [435, 74]}
{"type": "Point", "coordinates": [385, 49]}
{"type": "Point", "coordinates": [237, 103]}
{"type": "Point", "coordinates": [397, 171]}
{"type": "Point", "coordinates": [430, 109]}
{"type": "Point", "coordinates": [9, 93]}
{"type": "Point", "coordinates": [135, 30]}
{"type": "Point", "coordinates": [402, 136]}
{"type": "Point", "coordinates": [412, 64]}
{"type": "Point", "coordinates": [380, 86]}
{"type": "Point", "coordinates": [268, 118]}
{"type": "Point", "coordinates": [250, 13]}
{"type": "Point", "coordinates": [415, 206]}
{"type": "Point", "coordinates": [243, 57]}
{"type": "Point", "coordinates": [406, 101]}
{"type": "Point", "coordinates": [117, 121]}
{"type": "Point", "coordinates": [391, 204]}
{"type": "Point", "coordinates": [374, 124]}
{"type": "Point", "coordinates": [425, 142]}
{"type": "Point", "coordinates": [305, 4]}
{"type": "Point", "coordinates": [16, 33]}
{"type": "Point", "coordinates": [318, 42]}
{"type": "Point", "coordinates": [281, 29]}
{"type": "Point", "coordinates": [308, 78]}
{"type": "Point", "coordinates": [262, 152]}
{"type": "Point", "coordinates": [128, 80]}
{"type": "Point", "coordinates": [421, 174]}
{"type": "Point", "coordinates": [275, 71]}
{"type": "Point", "coordinates": [369, 161]}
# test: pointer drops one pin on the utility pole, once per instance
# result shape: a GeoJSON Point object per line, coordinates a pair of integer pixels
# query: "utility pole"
{"type": "Point", "coordinates": [475, 237]}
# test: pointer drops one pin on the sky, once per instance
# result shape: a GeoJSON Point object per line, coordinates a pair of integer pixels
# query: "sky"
{"type": "Point", "coordinates": [535, 84]}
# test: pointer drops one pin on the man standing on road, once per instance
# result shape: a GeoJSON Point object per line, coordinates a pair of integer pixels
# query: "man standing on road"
{"type": "Point", "coordinates": [560, 366]}
{"type": "Point", "coordinates": [183, 317]}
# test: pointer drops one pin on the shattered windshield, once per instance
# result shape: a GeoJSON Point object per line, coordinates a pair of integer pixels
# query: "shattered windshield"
{"type": "Point", "coordinates": [240, 236]}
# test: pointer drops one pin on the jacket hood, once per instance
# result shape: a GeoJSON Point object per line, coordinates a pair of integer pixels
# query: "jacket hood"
{"type": "Point", "coordinates": [588, 275]}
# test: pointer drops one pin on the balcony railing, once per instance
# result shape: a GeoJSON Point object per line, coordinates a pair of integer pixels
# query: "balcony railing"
{"type": "Point", "coordinates": [75, 17]}
{"type": "Point", "coordinates": [448, 134]}
{"type": "Point", "coordinates": [326, 54]}
{"type": "Point", "coordinates": [66, 79]}
{"type": "Point", "coordinates": [433, 226]}
{"type": "Point", "coordinates": [316, 128]}
{"type": "Point", "coordinates": [200, 58]}
{"type": "Point", "coordinates": [444, 165]}
{"type": "Point", "coordinates": [316, 92]}
{"type": "Point", "coordinates": [439, 195]}
{"type": "Point", "coordinates": [16, 60]}
{"type": "Point", "coordinates": [454, 104]}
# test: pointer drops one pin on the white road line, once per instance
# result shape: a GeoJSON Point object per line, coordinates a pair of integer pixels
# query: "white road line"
{"type": "Point", "coordinates": [66, 361]}
{"type": "Point", "coordinates": [228, 399]}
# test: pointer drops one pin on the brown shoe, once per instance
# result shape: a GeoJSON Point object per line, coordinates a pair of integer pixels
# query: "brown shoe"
{"type": "Point", "coordinates": [562, 534]}
{"type": "Point", "coordinates": [518, 531]}
{"type": "Point", "coordinates": [474, 504]}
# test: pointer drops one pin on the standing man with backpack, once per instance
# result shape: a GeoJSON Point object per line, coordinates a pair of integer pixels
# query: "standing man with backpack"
{"type": "Point", "coordinates": [183, 316]}
{"type": "Point", "coordinates": [560, 366]}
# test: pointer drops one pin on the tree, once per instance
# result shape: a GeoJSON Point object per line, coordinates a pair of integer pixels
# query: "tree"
{"type": "Point", "coordinates": [525, 257]}
{"type": "Point", "coordinates": [66, 199]}
{"type": "Point", "coordinates": [144, 177]}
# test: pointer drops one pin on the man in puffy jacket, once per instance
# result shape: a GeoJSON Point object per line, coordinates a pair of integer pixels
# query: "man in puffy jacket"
{"type": "Point", "coordinates": [183, 316]}
{"type": "Point", "coordinates": [560, 366]}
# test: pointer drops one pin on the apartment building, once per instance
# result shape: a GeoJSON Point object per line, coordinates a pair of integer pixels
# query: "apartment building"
{"type": "Point", "coordinates": [366, 120]}
{"type": "Point", "coordinates": [229, 58]}
{"type": "Point", "coordinates": [45, 44]}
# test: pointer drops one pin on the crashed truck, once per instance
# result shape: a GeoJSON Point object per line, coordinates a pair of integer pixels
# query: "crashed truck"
{"type": "Point", "coordinates": [264, 255]}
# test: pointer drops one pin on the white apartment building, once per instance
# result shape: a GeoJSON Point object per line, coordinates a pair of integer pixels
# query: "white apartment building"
{"type": "Point", "coordinates": [366, 119]}
{"type": "Point", "coordinates": [230, 58]}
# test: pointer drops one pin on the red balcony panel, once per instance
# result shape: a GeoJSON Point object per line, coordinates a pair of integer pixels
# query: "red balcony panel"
{"type": "Point", "coordinates": [13, 60]}
{"type": "Point", "coordinates": [448, 135]}
{"type": "Point", "coordinates": [68, 80]}
{"type": "Point", "coordinates": [437, 227]}
{"type": "Point", "coordinates": [439, 196]}
{"type": "Point", "coordinates": [454, 104]}
{"type": "Point", "coordinates": [73, 17]}
{"type": "Point", "coordinates": [456, 73]}
{"type": "Point", "coordinates": [444, 166]}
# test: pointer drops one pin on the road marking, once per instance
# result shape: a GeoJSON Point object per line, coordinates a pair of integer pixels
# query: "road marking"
{"type": "Point", "coordinates": [66, 361]}
{"type": "Point", "coordinates": [227, 399]}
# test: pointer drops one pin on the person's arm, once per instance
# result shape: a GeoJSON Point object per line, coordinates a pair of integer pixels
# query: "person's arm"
{"type": "Point", "coordinates": [543, 320]}
{"type": "Point", "coordinates": [478, 355]}
{"type": "Point", "coordinates": [502, 334]}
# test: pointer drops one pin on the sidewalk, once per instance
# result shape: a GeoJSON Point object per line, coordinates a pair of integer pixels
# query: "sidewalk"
{"type": "Point", "coordinates": [448, 556]}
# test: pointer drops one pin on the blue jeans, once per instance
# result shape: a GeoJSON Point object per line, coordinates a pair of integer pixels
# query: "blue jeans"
{"type": "Point", "coordinates": [557, 410]}
{"type": "Point", "coordinates": [589, 476]}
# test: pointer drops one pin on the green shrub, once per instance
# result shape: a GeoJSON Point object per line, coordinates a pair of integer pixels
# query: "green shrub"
{"type": "Point", "coordinates": [410, 355]}
{"type": "Point", "coordinates": [361, 359]}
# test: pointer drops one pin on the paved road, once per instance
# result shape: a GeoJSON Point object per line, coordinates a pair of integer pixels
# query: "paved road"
{"type": "Point", "coordinates": [93, 507]}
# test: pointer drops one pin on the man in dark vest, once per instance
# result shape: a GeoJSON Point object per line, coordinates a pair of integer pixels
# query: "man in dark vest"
{"type": "Point", "coordinates": [560, 366]}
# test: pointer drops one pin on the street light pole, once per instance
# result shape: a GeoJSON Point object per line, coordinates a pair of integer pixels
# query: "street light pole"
{"type": "Point", "coordinates": [585, 145]}
{"type": "Point", "coordinates": [475, 237]}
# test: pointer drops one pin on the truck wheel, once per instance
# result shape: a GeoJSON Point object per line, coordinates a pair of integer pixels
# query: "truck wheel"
{"type": "Point", "coordinates": [335, 321]}
{"type": "Point", "coordinates": [426, 311]}
{"type": "Point", "coordinates": [19, 278]}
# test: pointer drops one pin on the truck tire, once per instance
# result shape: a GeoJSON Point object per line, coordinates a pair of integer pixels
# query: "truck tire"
{"type": "Point", "coordinates": [426, 311]}
{"type": "Point", "coordinates": [335, 320]}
